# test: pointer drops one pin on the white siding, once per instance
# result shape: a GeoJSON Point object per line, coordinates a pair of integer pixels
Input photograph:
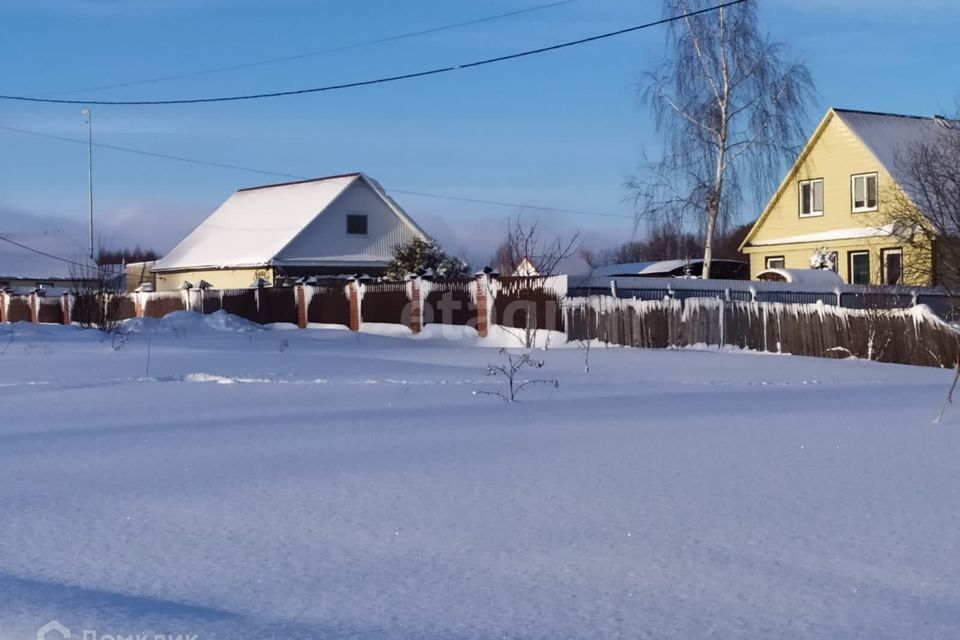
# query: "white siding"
{"type": "Point", "coordinates": [325, 239]}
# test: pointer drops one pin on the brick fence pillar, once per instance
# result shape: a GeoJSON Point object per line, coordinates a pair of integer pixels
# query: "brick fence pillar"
{"type": "Point", "coordinates": [483, 304]}
{"type": "Point", "coordinates": [138, 304]}
{"type": "Point", "coordinates": [416, 311]}
{"type": "Point", "coordinates": [65, 308]}
{"type": "Point", "coordinates": [301, 307]}
{"type": "Point", "coordinates": [355, 316]}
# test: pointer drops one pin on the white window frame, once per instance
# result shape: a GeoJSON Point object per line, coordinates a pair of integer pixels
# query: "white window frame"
{"type": "Point", "coordinates": [853, 192]}
{"type": "Point", "coordinates": [782, 259]}
{"type": "Point", "coordinates": [850, 256]}
{"type": "Point", "coordinates": [884, 253]}
{"type": "Point", "coordinates": [813, 212]}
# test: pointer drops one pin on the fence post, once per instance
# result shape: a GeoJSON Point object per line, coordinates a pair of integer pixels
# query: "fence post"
{"type": "Point", "coordinates": [613, 288]}
{"type": "Point", "coordinates": [65, 308]}
{"type": "Point", "coordinates": [301, 307]}
{"type": "Point", "coordinates": [722, 320]}
{"type": "Point", "coordinates": [34, 307]}
{"type": "Point", "coordinates": [138, 304]}
{"type": "Point", "coordinates": [354, 286]}
{"type": "Point", "coordinates": [3, 305]}
{"type": "Point", "coordinates": [483, 304]}
{"type": "Point", "coordinates": [416, 310]}
{"type": "Point", "coordinates": [839, 299]}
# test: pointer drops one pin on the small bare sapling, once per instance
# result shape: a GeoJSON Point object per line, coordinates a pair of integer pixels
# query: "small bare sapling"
{"type": "Point", "coordinates": [511, 370]}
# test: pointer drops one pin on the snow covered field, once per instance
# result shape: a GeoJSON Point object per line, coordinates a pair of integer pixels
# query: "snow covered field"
{"type": "Point", "coordinates": [313, 484]}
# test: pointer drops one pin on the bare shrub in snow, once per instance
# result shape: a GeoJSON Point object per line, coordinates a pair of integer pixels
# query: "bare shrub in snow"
{"type": "Point", "coordinates": [511, 370]}
{"type": "Point", "coordinates": [527, 252]}
{"type": "Point", "coordinates": [97, 293]}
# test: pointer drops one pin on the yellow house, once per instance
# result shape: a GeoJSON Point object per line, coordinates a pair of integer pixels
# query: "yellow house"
{"type": "Point", "coordinates": [829, 208]}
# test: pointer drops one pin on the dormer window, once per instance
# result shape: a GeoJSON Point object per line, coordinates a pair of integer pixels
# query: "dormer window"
{"type": "Point", "coordinates": [863, 192]}
{"type": "Point", "coordinates": [811, 198]}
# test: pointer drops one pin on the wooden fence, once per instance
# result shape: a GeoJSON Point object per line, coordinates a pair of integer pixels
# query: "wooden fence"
{"type": "Point", "coordinates": [906, 336]}
{"type": "Point", "coordinates": [528, 303]}
{"type": "Point", "coordinates": [387, 302]}
{"type": "Point", "coordinates": [450, 301]}
{"type": "Point", "coordinates": [328, 303]}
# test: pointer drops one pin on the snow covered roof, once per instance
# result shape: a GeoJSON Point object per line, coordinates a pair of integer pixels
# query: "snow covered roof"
{"type": "Point", "coordinates": [255, 224]}
{"type": "Point", "coordinates": [649, 268]}
{"type": "Point", "coordinates": [818, 277]}
{"type": "Point", "coordinates": [888, 135]}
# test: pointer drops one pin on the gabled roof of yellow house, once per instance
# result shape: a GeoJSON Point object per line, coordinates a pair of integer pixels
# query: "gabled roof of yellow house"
{"type": "Point", "coordinates": [884, 135]}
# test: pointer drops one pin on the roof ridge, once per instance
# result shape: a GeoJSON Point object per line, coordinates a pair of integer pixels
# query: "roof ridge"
{"type": "Point", "coordinates": [286, 184]}
{"type": "Point", "coordinates": [889, 115]}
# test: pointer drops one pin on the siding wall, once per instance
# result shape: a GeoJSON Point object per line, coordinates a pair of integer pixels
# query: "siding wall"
{"type": "Point", "coordinates": [326, 237]}
{"type": "Point", "coordinates": [218, 278]}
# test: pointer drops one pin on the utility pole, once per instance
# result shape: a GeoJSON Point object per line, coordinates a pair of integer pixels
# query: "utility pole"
{"type": "Point", "coordinates": [87, 113]}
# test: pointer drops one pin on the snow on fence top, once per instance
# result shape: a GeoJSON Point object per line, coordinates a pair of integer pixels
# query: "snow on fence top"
{"type": "Point", "coordinates": [811, 285]}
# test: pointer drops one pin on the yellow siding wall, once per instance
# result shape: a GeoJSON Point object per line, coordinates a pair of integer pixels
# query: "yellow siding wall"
{"type": "Point", "coordinates": [219, 278]}
{"type": "Point", "coordinates": [835, 157]}
{"type": "Point", "coordinates": [797, 256]}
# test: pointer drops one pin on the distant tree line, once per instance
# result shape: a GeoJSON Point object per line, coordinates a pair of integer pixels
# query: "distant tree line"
{"type": "Point", "coordinates": [667, 241]}
{"type": "Point", "coordinates": [126, 255]}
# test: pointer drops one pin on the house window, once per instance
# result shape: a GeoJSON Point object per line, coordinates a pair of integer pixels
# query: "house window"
{"type": "Point", "coordinates": [892, 266]}
{"type": "Point", "coordinates": [811, 198]}
{"type": "Point", "coordinates": [775, 262]}
{"type": "Point", "coordinates": [859, 265]}
{"type": "Point", "coordinates": [356, 224]}
{"type": "Point", "coordinates": [863, 192]}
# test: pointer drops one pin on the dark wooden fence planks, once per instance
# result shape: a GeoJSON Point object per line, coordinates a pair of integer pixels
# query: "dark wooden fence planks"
{"type": "Point", "coordinates": [387, 302]}
{"type": "Point", "coordinates": [523, 302]}
{"type": "Point", "coordinates": [328, 303]}
{"type": "Point", "coordinates": [158, 305]}
{"type": "Point", "coordinates": [276, 304]}
{"type": "Point", "coordinates": [449, 301]}
{"type": "Point", "coordinates": [240, 302]}
{"type": "Point", "coordinates": [18, 309]}
{"type": "Point", "coordinates": [50, 310]}
{"type": "Point", "coordinates": [905, 336]}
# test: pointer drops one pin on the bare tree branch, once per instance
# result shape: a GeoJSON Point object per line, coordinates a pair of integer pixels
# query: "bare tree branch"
{"type": "Point", "coordinates": [731, 108]}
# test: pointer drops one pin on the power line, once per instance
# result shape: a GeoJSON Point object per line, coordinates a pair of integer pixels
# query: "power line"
{"type": "Point", "coordinates": [278, 174]}
{"type": "Point", "coordinates": [383, 80]}
{"type": "Point", "coordinates": [43, 253]}
{"type": "Point", "coordinates": [308, 54]}
{"type": "Point", "coordinates": [152, 154]}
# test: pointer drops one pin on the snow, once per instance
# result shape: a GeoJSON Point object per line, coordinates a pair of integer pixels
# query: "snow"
{"type": "Point", "coordinates": [183, 322]}
{"type": "Point", "coordinates": [818, 277]}
{"type": "Point", "coordinates": [852, 233]}
{"type": "Point", "coordinates": [254, 225]}
{"type": "Point", "coordinates": [890, 136]}
{"type": "Point", "coordinates": [251, 483]}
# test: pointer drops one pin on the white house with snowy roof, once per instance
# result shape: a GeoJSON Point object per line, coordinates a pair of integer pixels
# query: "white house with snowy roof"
{"type": "Point", "coordinates": [341, 224]}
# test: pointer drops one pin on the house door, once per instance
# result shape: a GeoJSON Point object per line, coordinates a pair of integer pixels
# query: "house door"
{"type": "Point", "coordinates": [892, 266]}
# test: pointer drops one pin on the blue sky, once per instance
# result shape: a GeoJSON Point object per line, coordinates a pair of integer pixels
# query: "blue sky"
{"type": "Point", "coordinates": [559, 130]}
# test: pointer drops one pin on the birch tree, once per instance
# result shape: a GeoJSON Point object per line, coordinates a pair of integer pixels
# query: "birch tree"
{"type": "Point", "coordinates": [730, 107]}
